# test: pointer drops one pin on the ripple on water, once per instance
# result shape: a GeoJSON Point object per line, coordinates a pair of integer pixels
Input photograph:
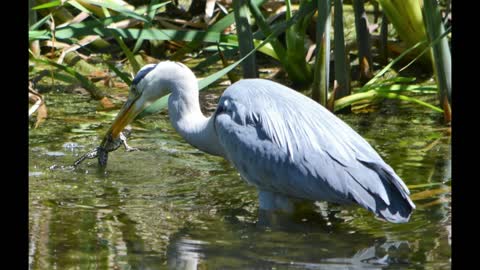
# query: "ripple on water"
{"type": "Point", "coordinates": [71, 146]}
{"type": "Point", "coordinates": [55, 154]}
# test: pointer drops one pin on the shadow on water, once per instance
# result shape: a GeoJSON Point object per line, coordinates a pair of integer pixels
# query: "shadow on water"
{"type": "Point", "coordinates": [172, 207]}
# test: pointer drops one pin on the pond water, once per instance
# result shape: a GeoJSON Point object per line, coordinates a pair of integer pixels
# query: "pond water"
{"type": "Point", "coordinates": [171, 206]}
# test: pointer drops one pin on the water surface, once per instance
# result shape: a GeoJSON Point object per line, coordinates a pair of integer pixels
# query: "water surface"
{"type": "Point", "coordinates": [171, 206]}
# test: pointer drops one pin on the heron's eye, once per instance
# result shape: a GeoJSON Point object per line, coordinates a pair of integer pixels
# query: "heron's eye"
{"type": "Point", "coordinates": [134, 90]}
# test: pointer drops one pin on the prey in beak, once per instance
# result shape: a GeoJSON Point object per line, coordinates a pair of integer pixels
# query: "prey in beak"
{"type": "Point", "coordinates": [116, 136]}
{"type": "Point", "coordinates": [117, 133]}
{"type": "Point", "coordinates": [108, 145]}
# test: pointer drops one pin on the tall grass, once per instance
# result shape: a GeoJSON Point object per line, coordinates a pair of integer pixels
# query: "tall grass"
{"type": "Point", "coordinates": [363, 41]}
{"type": "Point", "coordinates": [245, 37]}
{"type": "Point", "coordinates": [105, 18]}
{"type": "Point", "coordinates": [342, 70]}
{"type": "Point", "coordinates": [322, 60]}
{"type": "Point", "coordinates": [295, 42]}
{"type": "Point", "coordinates": [441, 53]}
{"type": "Point", "coordinates": [406, 17]}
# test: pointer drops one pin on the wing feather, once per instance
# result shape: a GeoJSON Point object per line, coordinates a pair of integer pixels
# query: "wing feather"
{"type": "Point", "coordinates": [282, 141]}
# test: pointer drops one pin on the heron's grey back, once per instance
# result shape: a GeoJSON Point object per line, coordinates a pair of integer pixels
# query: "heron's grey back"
{"type": "Point", "coordinates": [282, 141]}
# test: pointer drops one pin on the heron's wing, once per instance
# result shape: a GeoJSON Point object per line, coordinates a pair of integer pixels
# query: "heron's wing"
{"type": "Point", "coordinates": [281, 140]}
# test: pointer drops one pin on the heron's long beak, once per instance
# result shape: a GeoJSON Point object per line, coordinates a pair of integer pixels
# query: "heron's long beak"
{"type": "Point", "coordinates": [126, 115]}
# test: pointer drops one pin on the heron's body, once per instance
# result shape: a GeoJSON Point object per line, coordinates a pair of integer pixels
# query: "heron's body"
{"type": "Point", "coordinates": [282, 142]}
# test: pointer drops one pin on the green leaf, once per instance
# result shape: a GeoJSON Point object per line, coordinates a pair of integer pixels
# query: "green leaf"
{"type": "Point", "coordinates": [218, 27]}
{"type": "Point", "coordinates": [262, 23]}
{"type": "Point", "coordinates": [441, 51]}
{"type": "Point", "coordinates": [396, 80]}
{"type": "Point", "coordinates": [118, 8]}
{"type": "Point", "coordinates": [38, 34]}
{"type": "Point", "coordinates": [228, 53]}
{"type": "Point", "coordinates": [406, 17]}
{"type": "Point", "coordinates": [377, 76]}
{"type": "Point", "coordinates": [48, 5]}
{"type": "Point", "coordinates": [410, 88]}
{"type": "Point", "coordinates": [83, 29]}
{"type": "Point", "coordinates": [267, 49]}
{"type": "Point", "coordinates": [222, 23]}
{"type": "Point", "coordinates": [153, 8]}
{"type": "Point", "coordinates": [321, 71]}
{"type": "Point", "coordinates": [245, 38]}
{"type": "Point", "coordinates": [341, 67]}
{"type": "Point", "coordinates": [300, 71]}
{"type": "Point", "coordinates": [151, 14]}
{"type": "Point", "coordinates": [371, 94]}
{"type": "Point", "coordinates": [125, 78]}
{"type": "Point", "coordinates": [131, 58]}
{"type": "Point", "coordinates": [427, 49]}
{"type": "Point", "coordinates": [410, 99]}
{"type": "Point", "coordinates": [39, 23]}
{"type": "Point", "coordinates": [78, 6]}
{"type": "Point", "coordinates": [86, 83]}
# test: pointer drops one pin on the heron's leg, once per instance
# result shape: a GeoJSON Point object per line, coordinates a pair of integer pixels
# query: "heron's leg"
{"type": "Point", "coordinates": [276, 210]}
{"type": "Point", "coordinates": [271, 201]}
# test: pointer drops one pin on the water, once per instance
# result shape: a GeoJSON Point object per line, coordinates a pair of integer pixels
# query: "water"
{"type": "Point", "coordinates": [170, 206]}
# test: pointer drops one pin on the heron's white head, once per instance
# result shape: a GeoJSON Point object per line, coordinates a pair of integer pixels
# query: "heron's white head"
{"type": "Point", "coordinates": [152, 82]}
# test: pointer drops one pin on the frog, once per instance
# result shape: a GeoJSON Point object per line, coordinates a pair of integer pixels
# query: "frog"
{"type": "Point", "coordinates": [108, 144]}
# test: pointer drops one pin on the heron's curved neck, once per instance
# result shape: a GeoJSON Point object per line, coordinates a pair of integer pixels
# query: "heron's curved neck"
{"type": "Point", "coordinates": [187, 118]}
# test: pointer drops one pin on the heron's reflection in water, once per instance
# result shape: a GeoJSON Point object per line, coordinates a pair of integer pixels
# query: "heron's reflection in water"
{"type": "Point", "coordinates": [294, 245]}
{"type": "Point", "coordinates": [186, 254]}
{"type": "Point", "coordinates": [189, 254]}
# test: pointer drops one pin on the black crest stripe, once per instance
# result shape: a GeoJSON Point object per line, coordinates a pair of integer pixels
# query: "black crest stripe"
{"type": "Point", "coordinates": [141, 74]}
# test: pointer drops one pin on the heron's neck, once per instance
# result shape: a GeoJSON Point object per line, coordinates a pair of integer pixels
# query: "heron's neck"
{"type": "Point", "coordinates": [187, 118]}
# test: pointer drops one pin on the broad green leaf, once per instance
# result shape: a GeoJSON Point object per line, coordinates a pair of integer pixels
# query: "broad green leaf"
{"type": "Point", "coordinates": [38, 34]}
{"type": "Point", "coordinates": [82, 29]}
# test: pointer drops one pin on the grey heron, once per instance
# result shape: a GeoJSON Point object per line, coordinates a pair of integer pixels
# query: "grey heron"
{"type": "Point", "coordinates": [282, 142]}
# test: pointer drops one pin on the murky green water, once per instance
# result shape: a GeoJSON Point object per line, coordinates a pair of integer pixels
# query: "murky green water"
{"type": "Point", "coordinates": [172, 207]}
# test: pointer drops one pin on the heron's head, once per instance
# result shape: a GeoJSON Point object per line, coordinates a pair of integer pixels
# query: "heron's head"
{"type": "Point", "coordinates": [152, 82]}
